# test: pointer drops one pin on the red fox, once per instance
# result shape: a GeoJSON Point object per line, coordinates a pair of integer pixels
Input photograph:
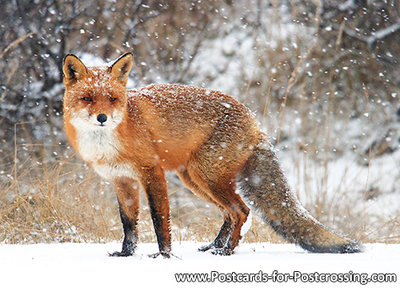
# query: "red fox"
{"type": "Point", "coordinates": [213, 142]}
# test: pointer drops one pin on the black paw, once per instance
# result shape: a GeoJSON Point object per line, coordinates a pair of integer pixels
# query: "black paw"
{"type": "Point", "coordinates": [165, 255]}
{"type": "Point", "coordinates": [208, 247]}
{"type": "Point", "coordinates": [213, 245]}
{"type": "Point", "coordinates": [225, 251]}
{"type": "Point", "coordinates": [121, 254]}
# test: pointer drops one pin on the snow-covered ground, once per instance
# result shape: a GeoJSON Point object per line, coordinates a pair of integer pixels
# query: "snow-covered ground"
{"type": "Point", "coordinates": [87, 265]}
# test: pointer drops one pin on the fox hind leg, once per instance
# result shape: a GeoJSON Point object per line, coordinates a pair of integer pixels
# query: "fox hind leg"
{"type": "Point", "coordinates": [213, 169]}
{"type": "Point", "coordinates": [238, 212]}
{"type": "Point", "coordinates": [223, 235]}
{"type": "Point", "coordinates": [223, 193]}
{"type": "Point", "coordinates": [226, 228]}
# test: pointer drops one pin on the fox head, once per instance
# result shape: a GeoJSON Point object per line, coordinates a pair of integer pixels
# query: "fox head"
{"type": "Point", "coordinates": [95, 97]}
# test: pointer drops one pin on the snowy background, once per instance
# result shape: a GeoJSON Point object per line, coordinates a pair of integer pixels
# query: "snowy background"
{"type": "Point", "coordinates": [322, 77]}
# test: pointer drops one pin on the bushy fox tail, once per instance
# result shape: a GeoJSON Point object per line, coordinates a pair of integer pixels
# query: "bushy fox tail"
{"type": "Point", "coordinates": [264, 188]}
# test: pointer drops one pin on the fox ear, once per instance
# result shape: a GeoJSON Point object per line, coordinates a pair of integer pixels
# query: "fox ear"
{"type": "Point", "coordinates": [73, 69]}
{"type": "Point", "coordinates": [121, 67]}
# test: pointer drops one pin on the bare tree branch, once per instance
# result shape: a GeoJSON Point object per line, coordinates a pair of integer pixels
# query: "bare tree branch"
{"type": "Point", "coordinates": [348, 7]}
{"type": "Point", "coordinates": [15, 43]}
{"type": "Point", "coordinates": [375, 36]}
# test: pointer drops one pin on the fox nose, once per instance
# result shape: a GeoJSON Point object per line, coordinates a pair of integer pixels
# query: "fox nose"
{"type": "Point", "coordinates": [102, 118]}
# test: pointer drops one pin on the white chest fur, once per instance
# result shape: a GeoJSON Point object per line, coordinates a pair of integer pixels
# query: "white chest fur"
{"type": "Point", "coordinates": [101, 145]}
{"type": "Point", "coordinates": [98, 144]}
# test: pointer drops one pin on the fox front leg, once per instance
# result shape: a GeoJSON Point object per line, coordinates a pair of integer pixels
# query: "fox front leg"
{"type": "Point", "coordinates": [157, 196]}
{"type": "Point", "coordinates": [128, 199]}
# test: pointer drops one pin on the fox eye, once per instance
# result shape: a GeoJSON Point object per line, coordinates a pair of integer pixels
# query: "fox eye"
{"type": "Point", "coordinates": [88, 99]}
{"type": "Point", "coordinates": [112, 99]}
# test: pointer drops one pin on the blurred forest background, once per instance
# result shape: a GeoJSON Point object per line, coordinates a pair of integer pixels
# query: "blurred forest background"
{"type": "Point", "coordinates": [322, 77]}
